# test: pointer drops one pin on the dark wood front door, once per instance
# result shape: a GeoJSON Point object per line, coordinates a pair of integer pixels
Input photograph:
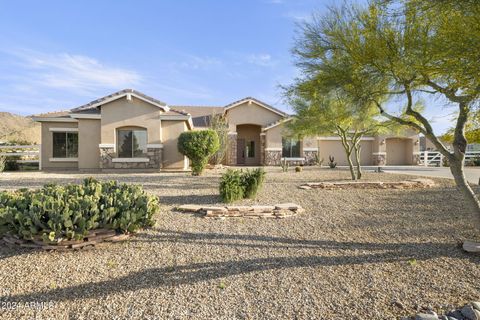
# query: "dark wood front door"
{"type": "Point", "coordinates": [240, 151]}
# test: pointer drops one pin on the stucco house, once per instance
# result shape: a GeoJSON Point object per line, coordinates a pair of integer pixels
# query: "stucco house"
{"type": "Point", "coordinates": [130, 130]}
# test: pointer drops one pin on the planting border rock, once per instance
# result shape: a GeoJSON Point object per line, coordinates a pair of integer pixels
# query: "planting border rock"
{"type": "Point", "coordinates": [279, 211]}
{"type": "Point", "coordinates": [94, 237]}
{"type": "Point", "coordinates": [470, 311]}
{"type": "Point", "coordinates": [336, 185]}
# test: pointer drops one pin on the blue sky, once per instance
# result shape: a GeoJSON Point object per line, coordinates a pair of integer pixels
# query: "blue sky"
{"type": "Point", "coordinates": [55, 55]}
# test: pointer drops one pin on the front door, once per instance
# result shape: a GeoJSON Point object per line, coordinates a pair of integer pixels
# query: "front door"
{"type": "Point", "coordinates": [240, 151]}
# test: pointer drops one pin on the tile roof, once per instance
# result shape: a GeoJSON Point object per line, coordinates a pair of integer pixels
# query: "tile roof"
{"type": "Point", "coordinates": [201, 115]}
{"type": "Point", "coordinates": [92, 104]}
{"type": "Point", "coordinates": [257, 101]}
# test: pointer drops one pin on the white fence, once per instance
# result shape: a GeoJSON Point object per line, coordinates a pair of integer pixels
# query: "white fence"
{"type": "Point", "coordinates": [28, 154]}
{"type": "Point", "coordinates": [435, 158]}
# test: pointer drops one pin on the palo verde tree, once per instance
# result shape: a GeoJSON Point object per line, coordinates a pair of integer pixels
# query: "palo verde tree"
{"type": "Point", "coordinates": [332, 114]}
{"type": "Point", "coordinates": [401, 51]}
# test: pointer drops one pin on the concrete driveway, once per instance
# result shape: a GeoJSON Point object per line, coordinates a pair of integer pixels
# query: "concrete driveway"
{"type": "Point", "coordinates": [472, 173]}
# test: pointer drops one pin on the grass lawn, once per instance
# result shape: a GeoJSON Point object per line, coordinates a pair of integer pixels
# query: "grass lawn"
{"type": "Point", "coordinates": [354, 254]}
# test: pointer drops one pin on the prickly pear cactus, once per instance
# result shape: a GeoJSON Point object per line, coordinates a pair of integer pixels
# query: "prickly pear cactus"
{"type": "Point", "coordinates": [57, 212]}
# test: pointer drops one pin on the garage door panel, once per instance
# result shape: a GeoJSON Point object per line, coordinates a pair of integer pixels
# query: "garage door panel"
{"type": "Point", "coordinates": [397, 151]}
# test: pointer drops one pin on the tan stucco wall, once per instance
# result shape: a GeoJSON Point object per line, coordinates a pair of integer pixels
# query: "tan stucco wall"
{"type": "Point", "coordinates": [171, 130]}
{"type": "Point", "coordinates": [88, 141]}
{"type": "Point", "coordinates": [273, 137]}
{"type": "Point", "coordinates": [250, 113]}
{"type": "Point", "coordinates": [122, 113]}
{"type": "Point", "coordinates": [47, 146]}
{"type": "Point", "coordinates": [334, 148]}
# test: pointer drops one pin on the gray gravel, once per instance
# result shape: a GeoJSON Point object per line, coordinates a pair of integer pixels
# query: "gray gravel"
{"type": "Point", "coordinates": [354, 254]}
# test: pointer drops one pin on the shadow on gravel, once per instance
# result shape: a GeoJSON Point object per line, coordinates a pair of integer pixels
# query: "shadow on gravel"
{"type": "Point", "coordinates": [170, 276]}
{"type": "Point", "coordinates": [187, 199]}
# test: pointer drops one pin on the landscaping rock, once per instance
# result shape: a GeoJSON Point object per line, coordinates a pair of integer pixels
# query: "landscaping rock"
{"type": "Point", "coordinates": [239, 208]}
{"type": "Point", "coordinates": [215, 209]}
{"type": "Point", "coordinates": [426, 316]}
{"type": "Point", "coordinates": [405, 184]}
{"type": "Point", "coordinates": [470, 313]}
{"type": "Point", "coordinates": [471, 246]}
{"type": "Point", "coordinates": [287, 206]}
{"type": "Point", "coordinates": [476, 305]}
{"type": "Point", "coordinates": [455, 314]}
{"type": "Point", "coordinates": [189, 208]}
{"type": "Point", "coordinates": [263, 208]}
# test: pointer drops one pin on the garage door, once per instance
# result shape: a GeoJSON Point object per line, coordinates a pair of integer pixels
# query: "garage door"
{"type": "Point", "coordinates": [397, 151]}
{"type": "Point", "coordinates": [334, 148]}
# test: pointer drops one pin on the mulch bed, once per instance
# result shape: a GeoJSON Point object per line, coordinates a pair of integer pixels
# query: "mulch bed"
{"type": "Point", "coordinates": [94, 237]}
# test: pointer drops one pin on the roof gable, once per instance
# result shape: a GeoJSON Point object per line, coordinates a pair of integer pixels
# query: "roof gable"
{"type": "Point", "coordinates": [257, 102]}
{"type": "Point", "coordinates": [127, 93]}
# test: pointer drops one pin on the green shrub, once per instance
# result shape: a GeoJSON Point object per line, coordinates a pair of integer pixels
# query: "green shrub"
{"type": "Point", "coordinates": [298, 169]}
{"type": "Point", "coordinates": [252, 181]}
{"type": "Point", "coordinates": [238, 184]}
{"type": "Point", "coordinates": [57, 212]}
{"type": "Point", "coordinates": [12, 164]}
{"type": "Point", "coordinates": [198, 146]}
{"type": "Point", "coordinates": [231, 188]}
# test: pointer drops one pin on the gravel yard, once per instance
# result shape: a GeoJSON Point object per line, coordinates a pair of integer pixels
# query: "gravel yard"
{"type": "Point", "coordinates": [354, 254]}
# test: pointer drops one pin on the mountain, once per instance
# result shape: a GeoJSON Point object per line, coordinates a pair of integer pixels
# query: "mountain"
{"type": "Point", "coordinates": [15, 127]}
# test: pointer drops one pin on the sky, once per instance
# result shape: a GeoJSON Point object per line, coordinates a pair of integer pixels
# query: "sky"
{"type": "Point", "coordinates": [56, 55]}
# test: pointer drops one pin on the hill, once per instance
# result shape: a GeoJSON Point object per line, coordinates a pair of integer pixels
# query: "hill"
{"type": "Point", "coordinates": [15, 127]}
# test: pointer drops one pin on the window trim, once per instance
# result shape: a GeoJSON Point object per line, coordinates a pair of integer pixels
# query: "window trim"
{"type": "Point", "coordinates": [117, 147]}
{"type": "Point", "coordinates": [65, 158]}
{"type": "Point", "coordinates": [292, 156]}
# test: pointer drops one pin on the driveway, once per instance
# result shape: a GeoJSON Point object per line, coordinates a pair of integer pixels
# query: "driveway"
{"type": "Point", "coordinates": [472, 173]}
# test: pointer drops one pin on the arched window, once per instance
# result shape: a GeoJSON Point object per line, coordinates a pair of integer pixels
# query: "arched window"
{"type": "Point", "coordinates": [132, 142]}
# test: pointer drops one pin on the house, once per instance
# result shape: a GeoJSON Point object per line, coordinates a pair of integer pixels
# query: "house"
{"type": "Point", "coordinates": [130, 130]}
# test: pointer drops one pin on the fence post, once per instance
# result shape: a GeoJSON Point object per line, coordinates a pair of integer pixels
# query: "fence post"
{"type": "Point", "coordinates": [39, 157]}
{"type": "Point", "coordinates": [425, 158]}
{"type": "Point", "coordinates": [441, 160]}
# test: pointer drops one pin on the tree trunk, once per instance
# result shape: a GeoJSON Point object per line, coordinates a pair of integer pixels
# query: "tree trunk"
{"type": "Point", "coordinates": [348, 150]}
{"type": "Point", "coordinates": [358, 149]}
{"type": "Point", "coordinates": [456, 167]}
{"type": "Point", "coordinates": [350, 165]}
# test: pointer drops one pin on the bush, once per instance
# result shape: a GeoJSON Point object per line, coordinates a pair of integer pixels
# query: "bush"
{"type": "Point", "coordinates": [198, 146]}
{"type": "Point", "coordinates": [11, 163]}
{"type": "Point", "coordinates": [252, 182]}
{"type": "Point", "coordinates": [231, 186]}
{"type": "Point", "coordinates": [238, 184]}
{"type": "Point", "coordinates": [55, 212]}
{"type": "Point", "coordinates": [298, 169]}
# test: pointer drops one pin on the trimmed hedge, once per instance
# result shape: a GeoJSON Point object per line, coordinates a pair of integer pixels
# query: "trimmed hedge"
{"type": "Point", "coordinates": [198, 146]}
{"type": "Point", "coordinates": [238, 184]}
{"type": "Point", "coordinates": [57, 212]}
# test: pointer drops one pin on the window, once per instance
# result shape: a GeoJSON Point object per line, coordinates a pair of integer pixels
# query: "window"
{"type": "Point", "coordinates": [132, 143]}
{"type": "Point", "coordinates": [290, 148]}
{"type": "Point", "coordinates": [65, 144]}
{"type": "Point", "coordinates": [250, 149]}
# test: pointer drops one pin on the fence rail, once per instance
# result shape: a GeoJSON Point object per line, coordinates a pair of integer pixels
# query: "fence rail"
{"type": "Point", "coordinates": [28, 153]}
{"type": "Point", "coordinates": [435, 158]}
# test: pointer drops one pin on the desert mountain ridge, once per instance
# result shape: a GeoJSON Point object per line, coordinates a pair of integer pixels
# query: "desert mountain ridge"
{"type": "Point", "coordinates": [14, 127]}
